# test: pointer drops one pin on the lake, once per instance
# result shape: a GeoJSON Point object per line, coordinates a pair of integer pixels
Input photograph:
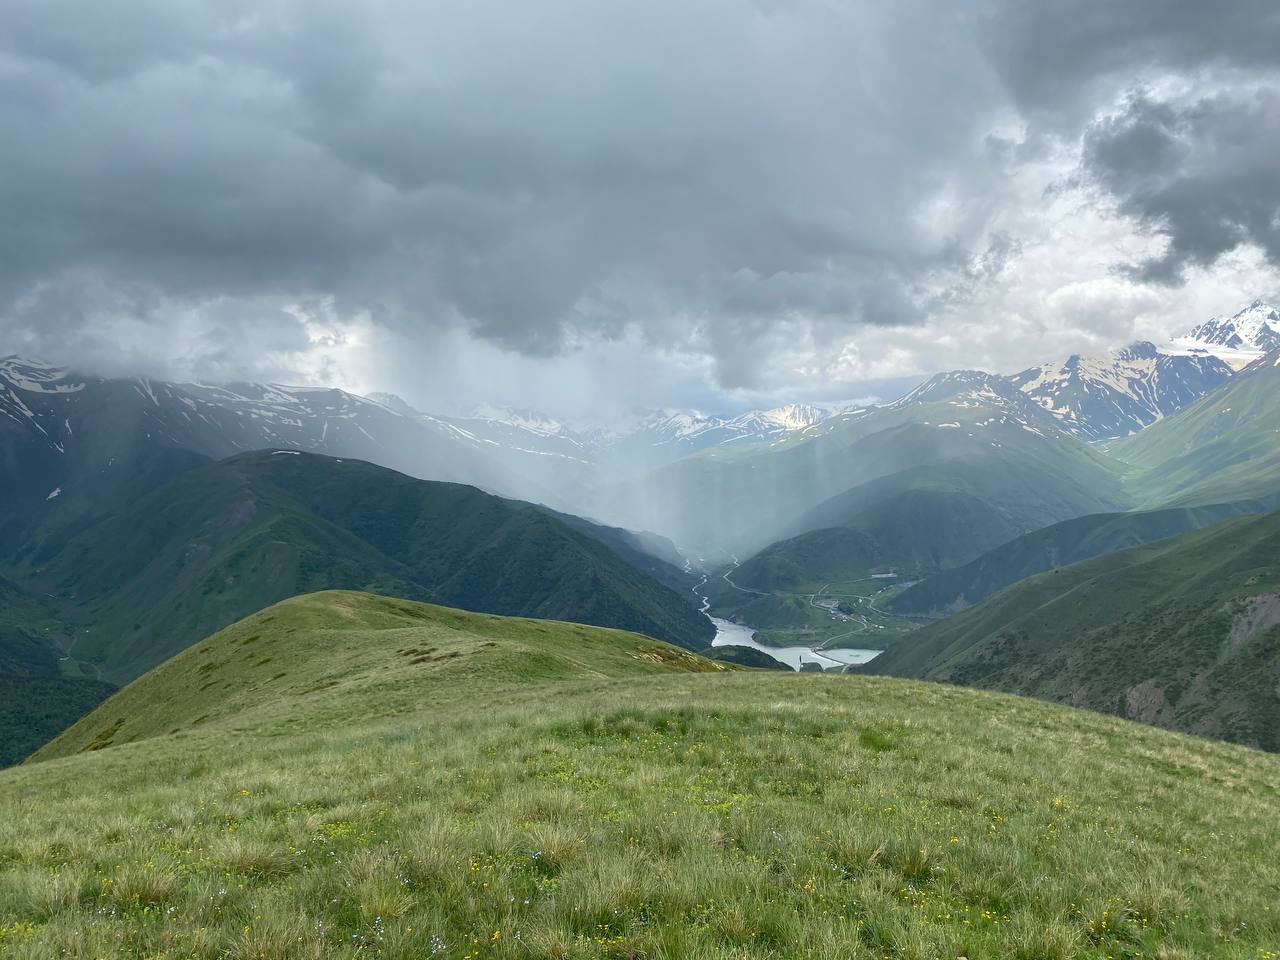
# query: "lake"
{"type": "Point", "coordinates": [729, 634]}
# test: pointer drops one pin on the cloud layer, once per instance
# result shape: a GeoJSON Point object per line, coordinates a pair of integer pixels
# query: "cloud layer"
{"type": "Point", "coordinates": [767, 194]}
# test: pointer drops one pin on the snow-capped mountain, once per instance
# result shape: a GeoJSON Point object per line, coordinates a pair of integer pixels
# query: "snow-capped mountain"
{"type": "Point", "coordinates": [675, 426]}
{"type": "Point", "coordinates": [533, 421]}
{"type": "Point", "coordinates": [1089, 397]}
{"type": "Point", "coordinates": [659, 436]}
{"type": "Point", "coordinates": [496, 429]}
{"type": "Point", "coordinates": [209, 420]}
{"type": "Point", "coordinates": [791, 416]}
{"type": "Point", "coordinates": [1113, 396]}
{"type": "Point", "coordinates": [1238, 340]}
{"type": "Point", "coordinates": [982, 393]}
{"type": "Point", "coordinates": [89, 435]}
{"type": "Point", "coordinates": [68, 439]}
{"type": "Point", "coordinates": [666, 436]}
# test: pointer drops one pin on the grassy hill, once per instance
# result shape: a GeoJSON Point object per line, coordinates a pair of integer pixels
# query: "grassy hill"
{"type": "Point", "coordinates": [1059, 545]}
{"type": "Point", "coordinates": [1224, 447]}
{"type": "Point", "coordinates": [428, 783]}
{"type": "Point", "coordinates": [1183, 633]}
{"type": "Point", "coordinates": [336, 657]}
{"type": "Point", "coordinates": [228, 539]}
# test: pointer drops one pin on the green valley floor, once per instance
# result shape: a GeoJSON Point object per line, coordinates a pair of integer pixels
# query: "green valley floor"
{"type": "Point", "coordinates": [351, 776]}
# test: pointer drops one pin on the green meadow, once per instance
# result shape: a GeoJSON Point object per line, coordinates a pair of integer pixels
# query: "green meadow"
{"type": "Point", "coordinates": [344, 776]}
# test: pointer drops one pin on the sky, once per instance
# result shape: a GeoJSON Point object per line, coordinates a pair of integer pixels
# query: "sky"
{"type": "Point", "coordinates": [591, 206]}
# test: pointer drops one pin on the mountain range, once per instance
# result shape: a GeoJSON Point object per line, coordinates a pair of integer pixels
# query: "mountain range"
{"type": "Point", "coordinates": [224, 539]}
{"type": "Point", "coordinates": [81, 440]}
{"type": "Point", "coordinates": [236, 535]}
{"type": "Point", "coordinates": [134, 519]}
{"type": "Point", "coordinates": [1239, 339]}
{"type": "Point", "coordinates": [743, 497]}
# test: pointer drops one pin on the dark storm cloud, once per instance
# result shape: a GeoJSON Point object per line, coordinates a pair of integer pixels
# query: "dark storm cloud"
{"type": "Point", "coordinates": [1060, 59]}
{"type": "Point", "coordinates": [1201, 170]}
{"type": "Point", "coordinates": [1205, 174]}
{"type": "Point", "coordinates": [716, 175]}
{"type": "Point", "coordinates": [527, 170]}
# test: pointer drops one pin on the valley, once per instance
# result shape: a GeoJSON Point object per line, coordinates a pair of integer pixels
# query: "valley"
{"type": "Point", "coordinates": [824, 654]}
{"type": "Point", "coordinates": [639, 481]}
{"type": "Point", "coordinates": [894, 514]}
{"type": "Point", "coordinates": [810, 619]}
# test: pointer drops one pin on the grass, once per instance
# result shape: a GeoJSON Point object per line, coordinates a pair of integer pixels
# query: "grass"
{"type": "Point", "coordinates": [528, 800]}
{"type": "Point", "coordinates": [1060, 545]}
{"type": "Point", "coordinates": [1219, 449]}
{"type": "Point", "coordinates": [1182, 632]}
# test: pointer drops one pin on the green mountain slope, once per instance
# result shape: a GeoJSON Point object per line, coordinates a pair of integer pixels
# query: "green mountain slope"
{"type": "Point", "coordinates": [1059, 545]}
{"type": "Point", "coordinates": [913, 533]}
{"type": "Point", "coordinates": [30, 633]}
{"type": "Point", "coordinates": [427, 783]}
{"type": "Point", "coordinates": [47, 494]}
{"type": "Point", "coordinates": [1183, 633]}
{"type": "Point", "coordinates": [925, 519]}
{"type": "Point", "coordinates": [744, 497]}
{"type": "Point", "coordinates": [657, 556]}
{"type": "Point", "coordinates": [1224, 447]}
{"type": "Point", "coordinates": [747, 657]}
{"type": "Point", "coordinates": [225, 540]}
{"type": "Point", "coordinates": [1026, 492]}
{"type": "Point", "coordinates": [41, 691]}
{"type": "Point", "coordinates": [337, 657]}
{"type": "Point", "coordinates": [913, 523]}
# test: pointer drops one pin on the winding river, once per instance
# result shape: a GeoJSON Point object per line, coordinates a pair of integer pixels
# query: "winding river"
{"type": "Point", "coordinates": [730, 634]}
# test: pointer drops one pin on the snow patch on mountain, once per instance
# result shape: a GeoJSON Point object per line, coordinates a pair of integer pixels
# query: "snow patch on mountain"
{"type": "Point", "coordinates": [1237, 340]}
{"type": "Point", "coordinates": [1115, 395]}
{"type": "Point", "coordinates": [33, 376]}
{"type": "Point", "coordinates": [530, 420]}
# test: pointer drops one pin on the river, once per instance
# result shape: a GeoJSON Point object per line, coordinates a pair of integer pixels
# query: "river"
{"type": "Point", "coordinates": [730, 634]}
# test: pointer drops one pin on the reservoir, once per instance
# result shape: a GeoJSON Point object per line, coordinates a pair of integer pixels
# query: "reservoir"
{"type": "Point", "coordinates": [730, 634]}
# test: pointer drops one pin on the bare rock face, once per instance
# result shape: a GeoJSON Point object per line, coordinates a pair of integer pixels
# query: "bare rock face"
{"type": "Point", "coordinates": [1101, 398]}
{"type": "Point", "coordinates": [1260, 613]}
{"type": "Point", "coordinates": [1145, 702]}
